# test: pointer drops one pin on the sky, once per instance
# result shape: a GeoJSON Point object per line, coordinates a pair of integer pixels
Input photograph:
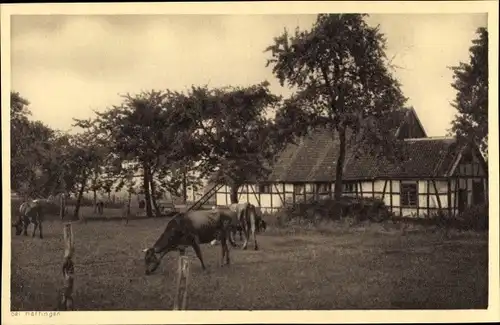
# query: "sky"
{"type": "Point", "coordinates": [68, 66]}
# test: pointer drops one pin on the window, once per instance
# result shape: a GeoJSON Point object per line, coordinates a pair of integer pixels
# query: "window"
{"type": "Point", "coordinates": [298, 188]}
{"type": "Point", "coordinates": [323, 188]}
{"type": "Point", "coordinates": [409, 194]}
{"type": "Point", "coordinates": [265, 188]}
{"type": "Point", "coordinates": [349, 187]}
{"type": "Point", "coordinates": [478, 196]}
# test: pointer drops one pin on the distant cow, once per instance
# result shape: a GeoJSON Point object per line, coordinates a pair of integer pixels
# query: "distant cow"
{"type": "Point", "coordinates": [261, 226]}
{"type": "Point", "coordinates": [248, 222]}
{"type": "Point", "coordinates": [29, 212]}
{"type": "Point", "coordinates": [191, 229]}
{"type": "Point", "coordinates": [100, 207]}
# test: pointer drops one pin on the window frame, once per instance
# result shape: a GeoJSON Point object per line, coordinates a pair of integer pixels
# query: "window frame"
{"type": "Point", "coordinates": [405, 194]}
{"type": "Point", "coordinates": [323, 188]}
{"type": "Point", "coordinates": [300, 186]}
{"type": "Point", "coordinates": [265, 188]}
{"type": "Point", "coordinates": [349, 187]}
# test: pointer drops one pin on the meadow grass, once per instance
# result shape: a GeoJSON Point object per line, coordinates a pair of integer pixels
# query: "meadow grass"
{"type": "Point", "coordinates": [340, 267]}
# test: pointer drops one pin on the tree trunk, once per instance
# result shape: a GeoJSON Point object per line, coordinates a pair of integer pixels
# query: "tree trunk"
{"type": "Point", "coordinates": [153, 196]}
{"type": "Point", "coordinates": [184, 187]}
{"type": "Point", "coordinates": [147, 193]}
{"type": "Point", "coordinates": [62, 205]}
{"type": "Point", "coordinates": [95, 200]}
{"type": "Point", "coordinates": [234, 194]}
{"type": "Point", "coordinates": [79, 200]}
{"type": "Point", "coordinates": [128, 203]}
{"type": "Point", "coordinates": [339, 169]}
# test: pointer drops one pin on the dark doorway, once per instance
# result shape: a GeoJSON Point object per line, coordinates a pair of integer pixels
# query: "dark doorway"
{"type": "Point", "coordinates": [462, 200]}
{"type": "Point", "coordinates": [477, 193]}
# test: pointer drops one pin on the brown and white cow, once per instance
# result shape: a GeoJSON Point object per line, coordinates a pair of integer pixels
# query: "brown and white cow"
{"type": "Point", "coordinates": [29, 212]}
{"type": "Point", "coordinates": [249, 222]}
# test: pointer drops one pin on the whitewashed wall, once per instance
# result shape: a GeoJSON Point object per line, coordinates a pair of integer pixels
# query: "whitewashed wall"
{"type": "Point", "coordinates": [271, 202]}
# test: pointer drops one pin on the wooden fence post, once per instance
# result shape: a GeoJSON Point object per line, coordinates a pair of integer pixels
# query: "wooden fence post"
{"type": "Point", "coordinates": [68, 268]}
{"type": "Point", "coordinates": [182, 283]}
{"type": "Point", "coordinates": [62, 206]}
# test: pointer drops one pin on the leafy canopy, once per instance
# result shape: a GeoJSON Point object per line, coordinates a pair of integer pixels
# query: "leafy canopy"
{"type": "Point", "coordinates": [239, 140]}
{"type": "Point", "coordinates": [470, 80]}
{"type": "Point", "coordinates": [342, 77]}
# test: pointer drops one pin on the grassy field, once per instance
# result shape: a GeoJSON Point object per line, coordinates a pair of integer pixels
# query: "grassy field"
{"type": "Point", "coordinates": [367, 268]}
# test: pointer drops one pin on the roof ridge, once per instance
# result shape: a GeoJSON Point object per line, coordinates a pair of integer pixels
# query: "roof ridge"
{"type": "Point", "coordinates": [430, 138]}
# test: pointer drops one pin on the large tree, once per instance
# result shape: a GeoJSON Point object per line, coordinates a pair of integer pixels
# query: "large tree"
{"type": "Point", "coordinates": [86, 156]}
{"type": "Point", "coordinates": [34, 155]}
{"type": "Point", "coordinates": [343, 82]}
{"type": "Point", "coordinates": [471, 101]}
{"type": "Point", "coordinates": [150, 133]}
{"type": "Point", "coordinates": [238, 138]}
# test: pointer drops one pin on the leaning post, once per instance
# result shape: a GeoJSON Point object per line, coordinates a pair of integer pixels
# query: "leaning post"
{"type": "Point", "coordinates": [183, 271]}
{"type": "Point", "coordinates": [68, 267]}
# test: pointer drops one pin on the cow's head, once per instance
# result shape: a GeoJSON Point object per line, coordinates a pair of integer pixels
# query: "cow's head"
{"type": "Point", "coordinates": [18, 226]}
{"type": "Point", "coordinates": [261, 225]}
{"type": "Point", "coordinates": [151, 260]}
{"type": "Point", "coordinates": [169, 240]}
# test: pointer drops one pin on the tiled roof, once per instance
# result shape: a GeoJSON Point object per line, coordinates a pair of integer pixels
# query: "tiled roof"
{"type": "Point", "coordinates": [314, 157]}
{"type": "Point", "coordinates": [308, 159]}
{"type": "Point", "coordinates": [423, 157]}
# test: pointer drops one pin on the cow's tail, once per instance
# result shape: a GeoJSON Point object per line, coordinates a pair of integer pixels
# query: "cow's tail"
{"type": "Point", "coordinates": [253, 218]}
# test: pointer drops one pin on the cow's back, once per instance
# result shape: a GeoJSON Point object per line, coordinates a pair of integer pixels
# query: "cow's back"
{"type": "Point", "coordinates": [228, 213]}
{"type": "Point", "coordinates": [206, 223]}
{"type": "Point", "coordinates": [31, 209]}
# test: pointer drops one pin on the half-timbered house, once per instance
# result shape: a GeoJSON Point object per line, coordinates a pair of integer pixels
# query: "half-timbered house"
{"type": "Point", "coordinates": [435, 173]}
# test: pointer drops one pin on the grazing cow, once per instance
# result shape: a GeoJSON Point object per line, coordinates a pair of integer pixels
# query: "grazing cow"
{"type": "Point", "coordinates": [248, 220]}
{"type": "Point", "coordinates": [100, 207]}
{"type": "Point", "coordinates": [260, 225]}
{"type": "Point", "coordinates": [29, 212]}
{"type": "Point", "coordinates": [191, 229]}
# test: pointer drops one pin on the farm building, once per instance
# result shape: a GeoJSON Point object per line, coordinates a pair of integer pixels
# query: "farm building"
{"type": "Point", "coordinates": [435, 173]}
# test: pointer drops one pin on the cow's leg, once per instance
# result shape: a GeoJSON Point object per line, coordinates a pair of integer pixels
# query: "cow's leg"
{"type": "Point", "coordinates": [247, 236]}
{"type": "Point", "coordinates": [228, 259]}
{"type": "Point", "coordinates": [246, 232]}
{"type": "Point", "coordinates": [25, 227]}
{"type": "Point", "coordinates": [243, 224]}
{"type": "Point", "coordinates": [197, 250]}
{"type": "Point", "coordinates": [231, 237]}
{"type": "Point", "coordinates": [224, 250]}
{"type": "Point", "coordinates": [35, 225]}
{"type": "Point", "coordinates": [245, 241]}
{"type": "Point", "coordinates": [40, 229]}
{"type": "Point", "coordinates": [254, 234]}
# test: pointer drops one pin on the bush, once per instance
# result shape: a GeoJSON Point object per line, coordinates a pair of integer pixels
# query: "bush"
{"type": "Point", "coordinates": [89, 202]}
{"type": "Point", "coordinates": [357, 208]}
{"type": "Point", "coordinates": [473, 218]}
